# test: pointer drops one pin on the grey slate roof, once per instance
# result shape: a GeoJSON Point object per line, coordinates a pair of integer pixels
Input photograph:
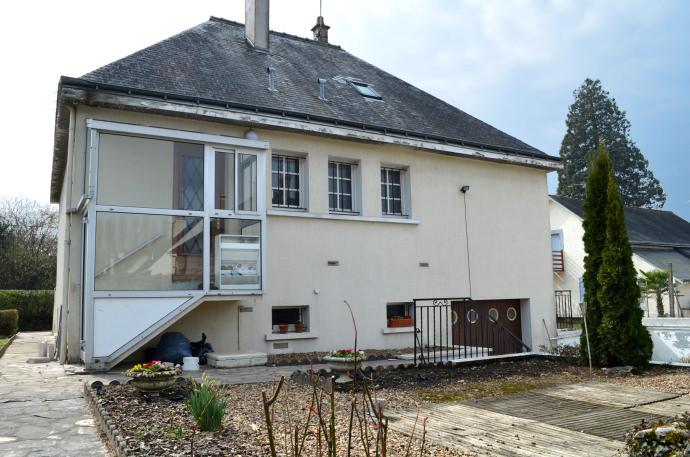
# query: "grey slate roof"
{"type": "Point", "coordinates": [660, 258]}
{"type": "Point", "coordinates": [213, 61]}
{"type": "Point", "coordinates": [645, 226]}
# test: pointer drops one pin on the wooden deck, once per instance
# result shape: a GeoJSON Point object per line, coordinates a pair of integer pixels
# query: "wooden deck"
{"type": "Point", "coordinates": [588, 419]}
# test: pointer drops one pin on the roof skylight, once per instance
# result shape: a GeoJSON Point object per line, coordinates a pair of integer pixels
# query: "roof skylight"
{"type": "Point", "coordinates": [365, 90]}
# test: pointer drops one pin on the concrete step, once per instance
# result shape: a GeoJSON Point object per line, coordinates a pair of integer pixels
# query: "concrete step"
{"type": "Point", "coordinates": [236, 360]}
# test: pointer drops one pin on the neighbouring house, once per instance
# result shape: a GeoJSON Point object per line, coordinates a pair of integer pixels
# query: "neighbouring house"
{"type": "Point", "coordinates": [658, 239]}
{"type": "Point", "coordinates": [244, 183]}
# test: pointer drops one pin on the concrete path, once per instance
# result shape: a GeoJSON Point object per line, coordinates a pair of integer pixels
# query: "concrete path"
{"type": "Point", "coordinates": [42, 410]}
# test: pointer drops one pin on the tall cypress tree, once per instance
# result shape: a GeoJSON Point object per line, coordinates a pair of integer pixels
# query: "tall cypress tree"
{"type": "Point", "coordinates": [623, 338]}
{"type": "Point", "coordinates": [594, 225]}
{"type": "Point", "coordinates": [594, 118]}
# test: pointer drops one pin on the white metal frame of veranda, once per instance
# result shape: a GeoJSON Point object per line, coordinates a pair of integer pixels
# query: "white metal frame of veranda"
{"type": "Point", "coordinates": [92, 208]}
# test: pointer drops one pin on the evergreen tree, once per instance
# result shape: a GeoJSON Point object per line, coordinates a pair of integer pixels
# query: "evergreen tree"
{"type": "Point", "coordinates": [623, 338]}
{"type": "Point", "coordinates": [594, 118]}
{"type": "Point", "coordinates": [594, 225]}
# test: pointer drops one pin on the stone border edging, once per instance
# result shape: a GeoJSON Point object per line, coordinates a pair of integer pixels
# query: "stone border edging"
{"type": "Point", "coordinates": [9, 341]}
{"type": "Point", "coordinates": [102, 420]}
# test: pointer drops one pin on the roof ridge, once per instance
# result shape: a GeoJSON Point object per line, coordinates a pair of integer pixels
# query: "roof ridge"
{"type": "Point", "coordinates": [274, 32]}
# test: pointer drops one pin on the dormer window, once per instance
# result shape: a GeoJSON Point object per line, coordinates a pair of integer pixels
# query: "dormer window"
{"type": "Point", "coordinates": [365, 90]}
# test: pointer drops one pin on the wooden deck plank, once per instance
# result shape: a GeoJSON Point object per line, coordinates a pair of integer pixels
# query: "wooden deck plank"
{"type": "Point", "coordinates": [588, 419]}
{"type": "Point", "coordinates": [489, 433]}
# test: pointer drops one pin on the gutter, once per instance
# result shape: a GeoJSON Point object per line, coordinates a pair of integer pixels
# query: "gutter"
{"type": "Point", "coordinates": [84, 84]}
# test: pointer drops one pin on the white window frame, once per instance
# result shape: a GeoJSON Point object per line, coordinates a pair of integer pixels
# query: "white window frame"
{"type": "Point", "coordinates": [354, 186]}
{"type": "Point", "coordinates": [302, 178]}
{"type": "Point", "coordinates": [212, 143]}
{"type": "Point", "coordinates": [404, 192]}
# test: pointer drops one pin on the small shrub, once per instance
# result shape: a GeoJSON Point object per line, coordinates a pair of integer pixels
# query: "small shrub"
{"type": "Point", "coordinates": [663, 438]}
{"type": "Point", "coordinates": [35, 308]}
{"type": "Point", "coordinates": [8, 322]}
{"type": "Point", "coordinates": [567, 352]}
{"type": "Point", "coordinates": [208, 404]}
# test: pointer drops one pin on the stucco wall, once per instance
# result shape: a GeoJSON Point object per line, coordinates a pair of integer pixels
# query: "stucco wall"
{"type": "Point", "coordinates": [508, 227]}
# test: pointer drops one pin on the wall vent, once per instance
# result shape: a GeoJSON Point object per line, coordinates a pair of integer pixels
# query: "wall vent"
{"type": "Point", "coordinates": [333, 263]}
{"type": "Point", "coordinates": [282, 345]}
{"type": "Point", "coordinates": [424, 264]}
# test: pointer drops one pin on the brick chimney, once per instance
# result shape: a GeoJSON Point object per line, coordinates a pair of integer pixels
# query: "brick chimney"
{"type": "Point", "coordinates": [320, 30]}
{"type": "Point", "coordinates": [256, 23]}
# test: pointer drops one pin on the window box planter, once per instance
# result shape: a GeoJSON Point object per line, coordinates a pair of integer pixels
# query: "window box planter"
{"type": "Point", "coordinates": [397, 322]}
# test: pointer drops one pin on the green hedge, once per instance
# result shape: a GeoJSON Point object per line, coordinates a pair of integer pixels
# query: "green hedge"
{"type": "Point", "coordinates": [35, 308]}
{"type": "Point", "coordinates": [8, 322]}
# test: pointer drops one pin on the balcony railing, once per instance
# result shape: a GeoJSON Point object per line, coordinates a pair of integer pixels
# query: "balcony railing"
{"type": "Point", "coordinates": [557, 260]}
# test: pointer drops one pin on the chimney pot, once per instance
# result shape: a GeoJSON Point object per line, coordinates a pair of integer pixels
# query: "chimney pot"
{"type": "Point", "coordinates": [320, 30]}
{"type": "Point", "coordinates": [256, 23]}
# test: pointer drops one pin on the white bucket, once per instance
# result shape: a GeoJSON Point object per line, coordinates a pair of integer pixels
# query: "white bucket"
{"type": "Point", "coordinates": [190, 364]}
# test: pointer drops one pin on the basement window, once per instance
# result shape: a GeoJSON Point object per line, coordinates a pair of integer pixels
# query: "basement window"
{"type": "Point", "coordinates": [290, 316]}
{"type": "Point", "coordinates": [365, 90]}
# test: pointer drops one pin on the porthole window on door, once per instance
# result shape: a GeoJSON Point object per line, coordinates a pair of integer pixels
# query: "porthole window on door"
{"type": "Point", "coordinates": [493, 313]}
{"type": "Point", "coordinates": [511, 314]}
{"type": "Point", "coordinates": [472, 316]}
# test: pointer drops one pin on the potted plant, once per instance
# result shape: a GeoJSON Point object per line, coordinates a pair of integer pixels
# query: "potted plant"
{"type": "Point", "coordinates": [400, 321]}
{"type": "Point", "coordinates": [283, 328]}
{"type": "Point", "coordinates": [153, 377]}
{"type": "Point", "coordinates": [344, 361]}
{"type": "Point", "coordinates": [299, 326]}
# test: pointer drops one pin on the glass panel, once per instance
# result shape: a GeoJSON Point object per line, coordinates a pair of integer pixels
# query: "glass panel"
{"type": "Point", "coordinates": [292, 182]}
{"type": "Point", "coordinates": [285, 315]}
{"type": "Point", "coordinates": [384, 209]}
{"type": "Point", "coordinates": [332, 202]}
{"type": "Point", "coordinates": [384, 191]}
{"type": "Point", "coordinates": [224, 194]}
{"type": "Point", "coordinates": [331, 169]}
{"type": "Point", "coordinates": [235, 254]}
{"type": "Point", "coordinates": [395, 191]}
{"type": "Point", "coordinates": [148, 252]}
{"type": "Point", "coordinates": [292, 165]}
{"type": "Point", "coordinates": [293, 198]}
{"type": "Point", "coordinates": [275, 180]}
{"type": "Point", "coordinates": [396, 207]}
{"type": "Point", "coordinates": [150, 173]}
{"type": "Point", "coordinates": [394, 176]}
{"type": "Point", "coordinates": [246, 182]}
{"type": "Point", "coordinates": [347, 203]}
{"type": "Point", "coordinates": [345, 171]}
{"type": "Point", "coordinates": [277, 163]}
{"type": "Point", "coordinates": [331, 185]}
{"type": "Point", "coordinates": [346, 186]}
{"type": "Point", "coordinates": [277, 197]}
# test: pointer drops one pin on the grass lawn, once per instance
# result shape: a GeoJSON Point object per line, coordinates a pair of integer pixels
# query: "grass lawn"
{"type": "Point", "coordinates": [3, 341]}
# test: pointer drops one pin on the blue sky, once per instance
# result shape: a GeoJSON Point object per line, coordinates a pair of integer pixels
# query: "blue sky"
{"type": "Point", "coordinates": [513, 64]}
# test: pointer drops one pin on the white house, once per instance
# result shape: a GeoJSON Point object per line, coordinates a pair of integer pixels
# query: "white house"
{"type": "Point", "coordinates": [230, 179]}
{"type": "Point", "coordinates": [658, 238]}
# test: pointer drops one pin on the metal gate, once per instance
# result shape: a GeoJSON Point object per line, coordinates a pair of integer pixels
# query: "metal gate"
{"type": "Point", "coordinates": [461, 328]}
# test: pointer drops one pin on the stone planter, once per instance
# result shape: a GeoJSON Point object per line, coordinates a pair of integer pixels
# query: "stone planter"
{"type": "Point", "coordinates": [341, 366]}
{"type": "Point", "coordinates": [154, 385]}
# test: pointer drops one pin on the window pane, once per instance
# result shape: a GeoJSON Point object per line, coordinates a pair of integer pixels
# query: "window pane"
{"type": "Point", "coordinates": [396, 207]}
{"type": "Point", "coordinates": [384, 206]}
{"type": "Point", "coordinates": [235, 254]}
{"type": "Point", "coordinates": [285, 316]}
{"type": "Point", "coordinates": [346, 186]}
{"type": "Point", "coordinates": [383, 175]}
{"type": "Point", "coordinates": [394, 176]}
{"type": "Point", "coordinates": [345, 171]}
{"type": "Point", "coordinates": [331, 169]}
{"type": "Point", "coordinates": [224, 196]}
{"type": "Point", "coordinates": [332, 202]}
{"type": "Point", "coordinates": [147, 252]}
{"type": "Point", "coordinates": [275, 180]}
{"type": "Point", "coordinates": [246, 182]}
{"type": "Point", "coordinates": [277, 197]}
{"type": "Point", "coordinates": [292, 165]}
{"type": "Point", "coordinates": [332, 185]}
{"type": "Point", "coordinates": [292, 182]}
{"type": "Point", "coordinates": [395, 191]}
{"type": "Point", "coordinates": [277, 163]}
{"type": "Point", "coordinates": [347, 203]}
{"type": "Point", "coordinates": [384, 191]}
{"type": "Point", "coordinates": [150, 173]}
{"type": "Point", "coordinates": [293, 198]}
